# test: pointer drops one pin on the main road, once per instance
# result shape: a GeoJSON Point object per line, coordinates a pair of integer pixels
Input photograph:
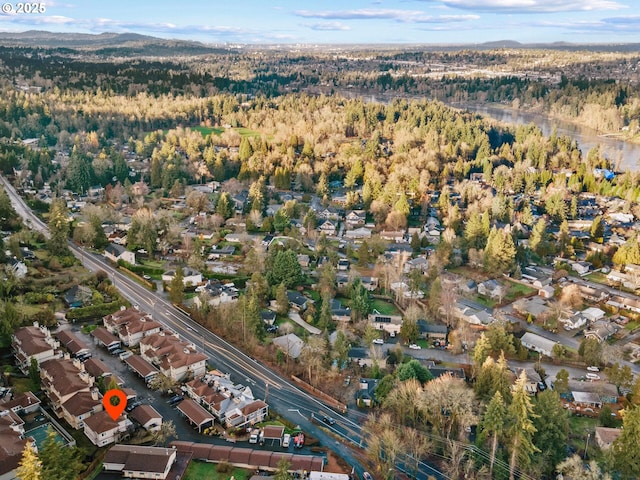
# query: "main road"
{"type": "Point", "coordinates": [294, 404]}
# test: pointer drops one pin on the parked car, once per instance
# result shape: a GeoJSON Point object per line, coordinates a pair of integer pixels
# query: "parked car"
{"type": "Point", "coordinates": [124, 355]}
{"type": "Point", "coordinates": [414, 346]}
{"type": "Point", "coordinates": [378, 341]}
{"type": "Point", "coordinates": [593, 369]}
{"type": "Point", "coordinates": [541, 386]}
{"type": "Point", "coordinates": [286, 440]}
{"type": "Point", "coordinates": [367, 476]}
{"type": "Point", "coordinates": [131, 405]}
{"type": "Point", "coordinates": [593, 376]}
{"type": "Point", "coordinates": [272, 329]}
{"type": "Point", "coordinates": [176, 399]}
{"type": "Point", "coordinates": [117, 351]}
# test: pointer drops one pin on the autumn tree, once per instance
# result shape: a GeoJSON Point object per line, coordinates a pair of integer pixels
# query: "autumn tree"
{"type": "Point", "coordinates": [30, 466]}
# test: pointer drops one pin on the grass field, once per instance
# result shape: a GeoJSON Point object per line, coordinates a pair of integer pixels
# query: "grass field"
{"type": "Point", "coordinates": [384, 307]}
{"type": "Point", "coordinates": [198, 470]}
{"type": "Point", "coordinates": [516, 290]}
{"type": "Point", "coordinates": [205, 131]}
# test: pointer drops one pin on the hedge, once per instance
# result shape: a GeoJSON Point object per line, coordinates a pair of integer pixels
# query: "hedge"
{"type": "Point", "coordinates": [140, 268]}
{"type": "Point", "coordinates": [93, 311]}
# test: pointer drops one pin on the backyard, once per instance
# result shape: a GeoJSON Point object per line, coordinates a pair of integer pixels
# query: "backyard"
{"type": "Point", "coordinates": [198, 470]}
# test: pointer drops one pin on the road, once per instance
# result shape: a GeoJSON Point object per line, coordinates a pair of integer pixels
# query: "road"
{"type": "Point", "coordinates": [282, 396]}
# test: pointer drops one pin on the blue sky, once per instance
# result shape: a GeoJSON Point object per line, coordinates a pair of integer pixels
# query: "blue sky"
{"type": "Point", "coordinates": [347, 21]}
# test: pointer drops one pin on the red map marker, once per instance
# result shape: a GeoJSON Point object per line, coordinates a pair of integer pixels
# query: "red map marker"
{"type": "Point", "coordinates": [114, 411]}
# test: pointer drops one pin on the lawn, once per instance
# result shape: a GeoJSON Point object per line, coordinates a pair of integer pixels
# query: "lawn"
{"type": "Point", "coordinates": [205, 131]}
{"type": "Point", "coordinates": [384, 307]}
{"type": "Point", "coordinates": [198, 470]}
{"type": "Point", "coordinates": [516, 290]}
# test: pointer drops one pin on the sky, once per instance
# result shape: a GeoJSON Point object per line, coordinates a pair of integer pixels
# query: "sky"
{"type": "Point", "coordinates": [341, 22]}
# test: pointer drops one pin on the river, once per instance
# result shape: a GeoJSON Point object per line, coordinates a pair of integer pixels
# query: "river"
{"type": "Point", "coordinates": [624, 155]}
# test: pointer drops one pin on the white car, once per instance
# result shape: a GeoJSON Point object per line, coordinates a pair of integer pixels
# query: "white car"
{"type": "Point", "coordinates": [593, 369]}
{"type": "Point", "coordinates": [378, 341]}
{"type": "Point", "coordinates": [593, 376]}
{"type": "Point", "coordinates": [413, 346]}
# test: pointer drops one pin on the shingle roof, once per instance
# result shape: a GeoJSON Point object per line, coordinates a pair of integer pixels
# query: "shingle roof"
{"type": "Point", "coordinates": [141, 459]}
{"type": "Point", "coordinates": [195, 412]}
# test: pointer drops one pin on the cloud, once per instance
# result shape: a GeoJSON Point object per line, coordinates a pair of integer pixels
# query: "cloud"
{"type": "Point", "coordinates": [621, 25]}
{"type": "Point", "coordinates": [534, 6]}
{"type": "Point", "coordinates": [403, 16]}
{"type": "Point", "coordinates": [327, 26]}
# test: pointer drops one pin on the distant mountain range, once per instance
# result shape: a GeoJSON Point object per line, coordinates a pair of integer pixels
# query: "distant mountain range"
{"type": "Point", "coordinates": [106, 43]}
{"type": "Point", "coordinates": [130, 44]}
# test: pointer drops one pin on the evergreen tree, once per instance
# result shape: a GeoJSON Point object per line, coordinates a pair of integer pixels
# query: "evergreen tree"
{"type": "Point", "coordinates": [176, 286]}
{"type": "Point", "coordinates": [561, 384]}
{"type": "Point", "coordinates": [156, 172]}
{"type": "Point", "coordinates": [283, 267]}
{"type": "Point", "coordinates": [282, 299]}
{"type": "Point", "coordinates": [474, 232]}
{"type": "Point", "coordinates": [493, 424]}
{"type": "Point", "coordinates": [34, 373]}
{"type": "Point", "coordinates": [225, 206]}
{"type": "Point", "coordinates": [58, 228]}
{"type": "Point", "coordinates": [245, 151]}
{"type": "Point", "coordinates": [58, 461]}
{"type": "Point", "coordinates": [520, 428]}
{"type": "Point", "coordinates": [597, 230]}
{"type": "Point", "coordinates": [500, 252]}
{"type": "Point", "coordinates": [626, 448]}
{"type": "Point", "coordinates": [552, 430]}
{"type": "Point", "coordinates": [538, 241]}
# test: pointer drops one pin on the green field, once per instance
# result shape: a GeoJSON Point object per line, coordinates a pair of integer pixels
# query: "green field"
{"type": "Point", "coordinates": [205, 131]}
{"type": "Point", "coordinates": [198, 470]}
{"type": "Point", "coordinates": [516, 290]}
{"type": "Point", "coordinates": [384, 307]}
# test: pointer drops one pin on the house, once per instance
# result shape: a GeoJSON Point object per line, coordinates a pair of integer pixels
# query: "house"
{"type": "Point", "coordinates": [33, 342]}
{"type": "Point", "coordinates": [328, 228]}
{"type": "Point", "coordinates": [21, 404]}
{"type": "Point", "coordinates": [538, 343]}
{"type": "Point", "coordinates": [534, 306]}
{"type": "Point", "coordinates": [437, 372]}
{"type": "Point", "coordinates": [575, 321]}
{"type": "Point", "coordinates": [191, 277]}
{"type": "Point", "coordinates": [366, 394]}
{"type": "Point", "coordinates": [142, 367]}
{"type": "Point", "coordinates": [102, 430]}
{"type": "Point", "coordinates": [268, 316]}
{"type": "Point", "coordinates": [195, 414]}
{"type": "Point", "coordinates": [147, 417]}
{"type": "Point", "coordinates": [592, 294]}
{"type": "Point", "coordinates": [586, 400]}
{"type": "Point", "coordinates": [370, 283]}
{"type": "Point", "coordinates": [601, 330]}
{"type": "Point", "coordinates": [546, 292]}
{"type": "Point", "coordinates": [593, 314]}
{"type": "Point", "coordinates": [432, 331]}
{"type": "Point", "coordinates": [175, 359]}
{"type": "Point", "coordinates": [343, 265]}
{"type": "Point", "coordinates": [116, 252]}
{"type": "Point", "coordinates": [470, 313]}
{"type": "Point", "coordinates": [492, 289]}
{"type": "Point", "coordinates": [13, 443]}
{"type": "Point", "coordinates": [303, 260]}
{"type": "Point", "coordinates": [78, 296]}
{"type": "Point", "coordinates": [102, 336]}
{"type": "Point", "coordinates": [273, 434]}
{"type": "Point", "coordinates": [536, 276]}
{"type": "Point", "coordinates": [216, 293]}
{"type": "Point", "coordinates": [402, 289]}
{"type": "Point", "coordinates": [581, 268]}
{"type": "Point", "coordinates": [72, 343]}
{"type": "Point", "coordinates": [605, 436]}
{"type": "Point", "coordinates": [392, 236]}
{"type": "Point", "coordinates": [624, 303]}
{"type": "Point", "coordinates": [97, 368]}
{"type": "Point", "coordinates": [359, 233]}
{"type": "Point", "coordinates": [340, 313]}
{"type": "Point", "coordinates": [134, 461]}
{"type": "Point", "coordinates": [419, 263]}
{"type": "Point", "coordinates": [355, 218]}
{"type": "Point", "coordinates": [219, 252]}
{"type": "Point", "coordinates": [131, 325]}
{"type": "Point", "coordinates": [363, 357]}
{"type": "Point", "coordinates": [389, 323]}
{"type": "Point", "coordinates": [18, 268]}
{"type": "Point", "coordinates": [290, 344]}
{"type": "Point", "coordinates": [607, 392]}
{"type": "Point", "coordinates": [297, 301]}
